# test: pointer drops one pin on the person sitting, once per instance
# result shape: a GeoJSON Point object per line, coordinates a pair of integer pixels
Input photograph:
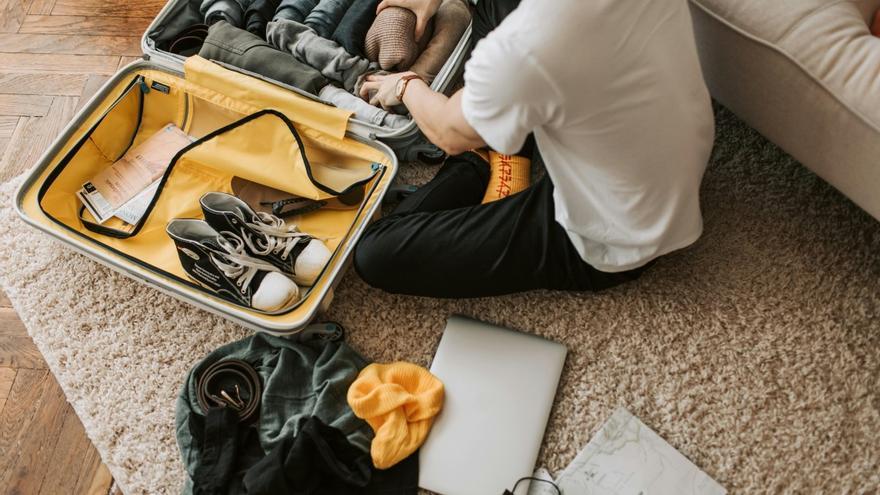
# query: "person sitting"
{"type": "Point", "coordinates": [608, 95]}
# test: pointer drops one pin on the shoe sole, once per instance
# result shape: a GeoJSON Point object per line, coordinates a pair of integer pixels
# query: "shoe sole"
{"type": "Point", "coordinates": [295, 298]}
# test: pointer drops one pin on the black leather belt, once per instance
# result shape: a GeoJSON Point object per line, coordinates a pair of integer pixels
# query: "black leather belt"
{"type": "Point", "coordinates": [231, 383]}
{"type": "Point", "coordinates": [189, 41]}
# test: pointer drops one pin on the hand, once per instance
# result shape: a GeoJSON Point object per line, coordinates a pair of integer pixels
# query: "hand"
{"type": "Point", "coordinates": [384, 87]}
{"type": "Point", "coordinates": [423, 9]}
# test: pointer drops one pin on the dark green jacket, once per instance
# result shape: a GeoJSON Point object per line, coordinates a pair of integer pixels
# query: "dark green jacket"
{"type": "Point", "coordinates": [299, 380]}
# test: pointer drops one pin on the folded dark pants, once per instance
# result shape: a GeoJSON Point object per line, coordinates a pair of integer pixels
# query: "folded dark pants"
{"type": "Point", "coordinates": [258, 14]}
{"type": "Point", "coordinates": [228, 44]}
{"type": "Point", "coordinates": [295, 10]}
{"type": "Point", "coordinates": [326, 16]}
{"type": "Point", "coordinates": [231, 11]}
{"type": "Point", "coordinates": [441, 242]}
{"type": "Point", "coordinates": [352, 29]}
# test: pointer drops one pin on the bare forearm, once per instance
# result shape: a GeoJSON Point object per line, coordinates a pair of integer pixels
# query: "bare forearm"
{"type": "Point", "coordinates": [440, 118]}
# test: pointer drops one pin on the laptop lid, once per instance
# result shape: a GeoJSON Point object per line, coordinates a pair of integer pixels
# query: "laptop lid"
{"type": "Point", "coordinates": [500, 386]}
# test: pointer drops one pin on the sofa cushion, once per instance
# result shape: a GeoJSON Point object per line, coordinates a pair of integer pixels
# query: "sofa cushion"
{"type": "Point", "coordinates": [806, 74]}
{"type": "Point", "coordinates": [830, 39]}
{"type": "Point", "coordinates": [770, 20]}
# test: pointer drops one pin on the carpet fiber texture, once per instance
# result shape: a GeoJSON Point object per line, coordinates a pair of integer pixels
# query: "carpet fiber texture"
{"type": "Point", "coordinates": [755, 352]}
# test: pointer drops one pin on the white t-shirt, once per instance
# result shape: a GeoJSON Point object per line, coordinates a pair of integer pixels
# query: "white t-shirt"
{"type": "Point", "coordinates": [613, 91]}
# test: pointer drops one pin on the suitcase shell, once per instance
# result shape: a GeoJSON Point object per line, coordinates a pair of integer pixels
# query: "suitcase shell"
{"type": "Point", "coordinates": [398, 139]}
{"type": "Point", "coordinates": [381, 140]}
{"type": "Point", "coordinates": [44, 186]}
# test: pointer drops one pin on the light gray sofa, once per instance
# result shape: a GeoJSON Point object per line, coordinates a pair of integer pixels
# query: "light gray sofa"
{"type": "Point", "coordinates": [806, 75]}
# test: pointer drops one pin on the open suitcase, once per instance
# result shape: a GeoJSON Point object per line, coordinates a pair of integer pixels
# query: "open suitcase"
{"type": "Point", "coordinates": [408, 142]}
{"type": "Point", "coordinates": [244, 127]}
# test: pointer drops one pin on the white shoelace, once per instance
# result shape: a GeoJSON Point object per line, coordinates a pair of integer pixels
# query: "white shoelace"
{"type": "Point", "coordinates": [277, 236]}
{"type": "Point", "coordinates": [236, 264]}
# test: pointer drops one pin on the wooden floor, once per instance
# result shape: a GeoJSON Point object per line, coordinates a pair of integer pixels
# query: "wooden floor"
{"type": "Point", "coordinates": [42, 443]}
{"type": "Point", "coordinates": [53, 55]}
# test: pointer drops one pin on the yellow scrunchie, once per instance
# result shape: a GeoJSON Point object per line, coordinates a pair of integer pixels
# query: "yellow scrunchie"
{"type": "Point", "coordinates": [399, 401]}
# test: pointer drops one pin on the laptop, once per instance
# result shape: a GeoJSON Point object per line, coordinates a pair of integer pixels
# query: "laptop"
{"type": "Point", "coordinates": [500, 386]}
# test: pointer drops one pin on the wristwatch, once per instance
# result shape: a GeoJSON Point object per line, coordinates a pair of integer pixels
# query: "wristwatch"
{"type": "Point", "coordinates": [402, 83]}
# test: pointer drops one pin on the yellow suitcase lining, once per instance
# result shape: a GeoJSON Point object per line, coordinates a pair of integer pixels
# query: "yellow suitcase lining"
{"type": "Point", "coordinates": [235, 138]}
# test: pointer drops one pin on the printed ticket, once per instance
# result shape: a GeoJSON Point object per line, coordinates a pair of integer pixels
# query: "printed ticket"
{"type": "Point", "coordinates": [140, 166]}
{"type": "Point", "coordinates": [126, 188]}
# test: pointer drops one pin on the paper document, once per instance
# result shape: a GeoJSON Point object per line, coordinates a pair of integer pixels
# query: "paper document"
{"type": "Point", "coordinates": [626, 457]}
{"type": "Point", "coordinates": [125, 188]}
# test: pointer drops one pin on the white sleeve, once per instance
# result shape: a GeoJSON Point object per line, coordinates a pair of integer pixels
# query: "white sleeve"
{"type": "Point", "coordinates": [506, 95]}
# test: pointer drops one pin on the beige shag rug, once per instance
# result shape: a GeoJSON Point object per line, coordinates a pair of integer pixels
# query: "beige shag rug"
{"type": "Point", "coordinates": [756, 352]}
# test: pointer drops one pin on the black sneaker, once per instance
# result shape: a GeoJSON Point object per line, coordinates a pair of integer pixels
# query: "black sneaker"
{"type": "Point", "coordinates": [268, 237]}
{"type": "Point", "coordinates": [219, 261]}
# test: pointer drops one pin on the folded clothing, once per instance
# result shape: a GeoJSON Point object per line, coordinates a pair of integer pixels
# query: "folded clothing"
{"type": "Point", "coordinates": [450, 23]}
{"type": "Point", "coordinates": [258, 14]}
{"type": "Point", "coordinates": [294, 10]}
{"type": "Point", "coordinates": [252, 15]}
{"type": "Point", "coordinates": [391, 40]}
{"type": "Point", "coordinates": [231, 11]}
{"type": "Point", "coordinates": [352, 29]}
{"type": "Point", "coordinates": [327, 15]}
{"type": "Point", "coordinates": [399, 401]}
{"type": "Point", "coordinates": [362, 110]}
{"type": "Point", "coordinates": [229, 44]}
{"type": "Point", "coordinates": [325, 55]}
{"type": "Point", "coordinates": [299, 380]}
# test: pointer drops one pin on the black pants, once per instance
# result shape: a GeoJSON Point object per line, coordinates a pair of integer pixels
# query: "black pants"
{"type": "Point", "coordinates": [441, 242]}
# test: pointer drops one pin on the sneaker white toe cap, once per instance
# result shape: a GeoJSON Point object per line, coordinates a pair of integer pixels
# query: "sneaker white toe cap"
{"type": "Point", "coordinates": [275, 292]}
{"type": "Point", "coordinates": [310, 262]}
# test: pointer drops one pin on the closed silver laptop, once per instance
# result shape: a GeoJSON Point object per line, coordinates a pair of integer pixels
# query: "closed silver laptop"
{"type": "Point", "coordinates": [500, 386]}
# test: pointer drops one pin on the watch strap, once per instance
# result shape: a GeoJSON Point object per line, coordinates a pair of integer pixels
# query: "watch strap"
{"type": "Point", "coordinates": [404, 82]}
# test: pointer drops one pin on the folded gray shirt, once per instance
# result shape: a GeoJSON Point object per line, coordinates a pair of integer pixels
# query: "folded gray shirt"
{"type": "Point", "coordinates": [325, 55]}
{"type": "Point", "coordinates": [362, 110]}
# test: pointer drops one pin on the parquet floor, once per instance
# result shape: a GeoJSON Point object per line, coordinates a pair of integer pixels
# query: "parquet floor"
{"type": "Point", "coordinates": [54, 54]}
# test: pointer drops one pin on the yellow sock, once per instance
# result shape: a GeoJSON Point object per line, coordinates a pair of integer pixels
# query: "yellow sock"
{"type": "Point", "coordinates": [508, 175]}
